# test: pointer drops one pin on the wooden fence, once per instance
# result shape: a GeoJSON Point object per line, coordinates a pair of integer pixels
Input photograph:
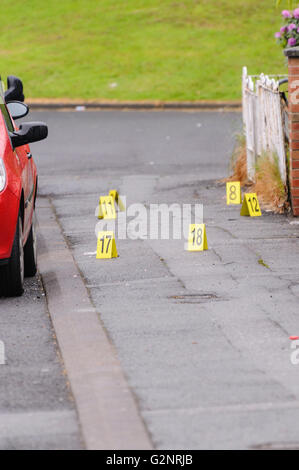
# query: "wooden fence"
{"type": "Point", "coordinates": [264, 118]}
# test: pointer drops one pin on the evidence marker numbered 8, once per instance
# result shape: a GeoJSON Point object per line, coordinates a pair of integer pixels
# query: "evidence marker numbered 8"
{"type": "Point", "coordinates": [233, 193]}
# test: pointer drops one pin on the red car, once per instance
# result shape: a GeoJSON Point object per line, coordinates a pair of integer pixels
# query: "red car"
{"type": "Point", "coordinates": [18, 187]}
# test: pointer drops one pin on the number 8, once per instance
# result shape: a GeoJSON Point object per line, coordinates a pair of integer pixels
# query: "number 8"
{"type": "Point", "coordinates": [232, 193]}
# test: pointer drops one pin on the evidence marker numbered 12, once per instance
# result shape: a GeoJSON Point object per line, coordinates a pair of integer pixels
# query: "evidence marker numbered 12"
{"type": "Point", "coordinates": [197, 239]}
{"type": "Point", "coordinates": [251, 206]}
{"type": "Point", "coordinates": [233, 193]}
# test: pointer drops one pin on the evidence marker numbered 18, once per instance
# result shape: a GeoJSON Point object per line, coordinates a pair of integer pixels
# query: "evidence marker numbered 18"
{"type": "Point", "coordinates": [197, 239]}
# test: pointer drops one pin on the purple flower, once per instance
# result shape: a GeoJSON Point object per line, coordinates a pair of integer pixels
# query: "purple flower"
{"type": "Point", "coordinates": [296, 13]}
{"type": "Point", "coordinates": [283, 29]}
{"type": "Point", "coordinates": [292, 26]}
{"type": "Point", "coordinates": [286, 14]}
{"type": "Point", "coordinates": [278, 35]}
{"type": "Point", "coordinates": [292, 42]}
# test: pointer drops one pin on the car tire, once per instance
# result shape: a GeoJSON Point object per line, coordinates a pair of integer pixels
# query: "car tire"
{"type": "Point", "coordinates": [12, 274]}
{"type": "Point", "coordinates": [30, 257]}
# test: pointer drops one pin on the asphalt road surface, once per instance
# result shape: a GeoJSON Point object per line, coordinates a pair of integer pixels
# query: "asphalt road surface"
{"type": "Point", "coordinates": [202, 338]}
{"type": "Point", "coordinates": [36, 406]}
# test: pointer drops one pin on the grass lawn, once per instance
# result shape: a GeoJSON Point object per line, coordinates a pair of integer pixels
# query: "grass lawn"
{"type": "Point", "coordinates": [138, 49]}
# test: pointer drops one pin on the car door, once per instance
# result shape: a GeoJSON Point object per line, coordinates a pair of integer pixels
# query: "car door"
{"type": "Point", "coordinates": [22, 154]}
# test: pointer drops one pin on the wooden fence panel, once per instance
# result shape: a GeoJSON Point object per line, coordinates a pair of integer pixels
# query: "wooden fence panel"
{"type": "Point", "coordinates": [264, 121]}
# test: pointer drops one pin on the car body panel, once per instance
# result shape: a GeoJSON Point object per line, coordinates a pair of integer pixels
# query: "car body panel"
{"type": "Point", "coordinates": [19, 192]}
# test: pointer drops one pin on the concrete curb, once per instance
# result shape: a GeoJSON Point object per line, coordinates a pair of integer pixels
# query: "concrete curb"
{"type": "Point", "coordinates": [135, 105]}
{"type": "Point", "coordinates": [106, 407]}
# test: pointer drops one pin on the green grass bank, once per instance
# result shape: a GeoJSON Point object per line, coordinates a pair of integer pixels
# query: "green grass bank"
{"type": "Point", "coordinates": [138, 49]}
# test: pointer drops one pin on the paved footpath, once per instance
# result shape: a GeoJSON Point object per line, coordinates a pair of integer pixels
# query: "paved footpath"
{"type": "Point", "coordinates": [202, 338]}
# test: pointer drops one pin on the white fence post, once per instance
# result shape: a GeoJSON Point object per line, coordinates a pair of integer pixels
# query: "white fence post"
{"type": "Point", "coordinates": [244, 95]}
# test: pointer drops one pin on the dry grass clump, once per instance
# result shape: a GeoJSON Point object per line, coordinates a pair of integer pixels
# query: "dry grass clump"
{"type": "Point", "coordinates": [268, 186]}
{"type": "Point", "coordinates": [238, 164]}
{"type": "Point", "coordinates": [271, 191]}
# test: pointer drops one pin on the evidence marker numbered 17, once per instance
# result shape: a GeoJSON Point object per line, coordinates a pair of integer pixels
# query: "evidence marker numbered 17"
{"type": "Point", "coordinates": [106, 247]}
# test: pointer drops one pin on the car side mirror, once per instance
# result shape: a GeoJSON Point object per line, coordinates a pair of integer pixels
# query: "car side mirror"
{"type": "Point", "coordinates": [14, 89]}
{"type": "Point", "coordinates": [29, 132]}
{"type": "Point", "coordinates": [17, 109]}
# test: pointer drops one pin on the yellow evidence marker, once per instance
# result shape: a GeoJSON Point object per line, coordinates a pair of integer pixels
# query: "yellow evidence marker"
{"type": "Point", "coordinates": [197, 240]}
{"type": "Point", "coordinates": [251, 205]}
{"type": "Point", "coordinates": [233, 193]}
{"type": "Point", "coordinates": [106, 247]}
{"type": "Point", "coordinates": [107, 208]}
{"type": "Point", "coordinates": [117, 199]}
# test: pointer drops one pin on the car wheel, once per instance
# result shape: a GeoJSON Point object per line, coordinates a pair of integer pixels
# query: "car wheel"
{"type": "Point", "coordinates": [30, 256]}
{"type": "Point", "coordinates": [12, 275]}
